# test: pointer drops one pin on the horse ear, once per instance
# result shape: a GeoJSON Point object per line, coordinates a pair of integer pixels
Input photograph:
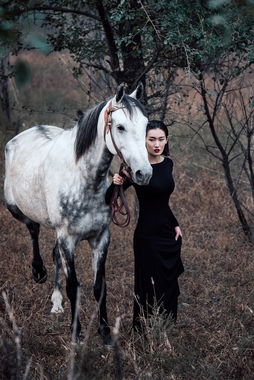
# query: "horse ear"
{"type": "Point", "coordinates": [120, 93]}
{"type": "Point", "coordinates": [138, 93]}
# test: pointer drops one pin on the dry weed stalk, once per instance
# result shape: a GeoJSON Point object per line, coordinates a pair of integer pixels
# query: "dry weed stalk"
{"type": "Point", "coordinates": [86, 339]}
{"type": "Point", "coordinates": [117, 351]}
{"type": "Point", "coordinates": [27, 370]}
{"type": "Point", "coordinates": [15, 328]}
{"type": "Point", "coordinates": [71, 375]}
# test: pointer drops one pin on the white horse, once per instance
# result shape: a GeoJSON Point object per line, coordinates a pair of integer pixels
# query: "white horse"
{"type": "Point", "coordinates": [58, 178]}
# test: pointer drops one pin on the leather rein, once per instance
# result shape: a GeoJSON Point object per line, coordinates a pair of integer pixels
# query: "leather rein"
{"type": "Point", "coordinates": [118, 202]}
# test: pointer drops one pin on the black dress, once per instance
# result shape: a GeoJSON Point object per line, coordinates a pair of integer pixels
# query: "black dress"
{"type": "Point", "coordinates": [157, 254]}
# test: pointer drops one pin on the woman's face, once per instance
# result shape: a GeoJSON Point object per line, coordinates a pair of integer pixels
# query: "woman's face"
{"type": "Point", "coordinates": [155, 141]}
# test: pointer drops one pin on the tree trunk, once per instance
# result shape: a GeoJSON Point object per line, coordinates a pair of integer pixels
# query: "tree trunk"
{"type": "Point", "coordinates": [233, 193]}
{"type": "Point", "coordinates": [134, 69]}
{"type": "Point", "coordinates": [224, 156]}
{"type": "Point", "coordinates": [4, 88]}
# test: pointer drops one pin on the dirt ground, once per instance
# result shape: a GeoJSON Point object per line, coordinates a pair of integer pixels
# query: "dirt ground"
{"type": "Point", "coordinates": [213, 338]}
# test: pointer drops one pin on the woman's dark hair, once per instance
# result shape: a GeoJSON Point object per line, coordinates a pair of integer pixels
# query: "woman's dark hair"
{"type": "Point", "coordinates": [155, 124]}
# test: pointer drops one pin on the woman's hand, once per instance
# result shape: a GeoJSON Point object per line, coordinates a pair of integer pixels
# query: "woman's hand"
{"type": "Point", "coordinates": [178, 232]}
{"type": "Point", "coordinates": [117, 179]}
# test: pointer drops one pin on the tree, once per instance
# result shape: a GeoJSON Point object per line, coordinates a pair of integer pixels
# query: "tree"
{"type": "Point", "coordinates": [225, 126]}
{"type": "Point", "coordinates": [132, 41]}
{"type": "Point", "coordinates": [4, 93]}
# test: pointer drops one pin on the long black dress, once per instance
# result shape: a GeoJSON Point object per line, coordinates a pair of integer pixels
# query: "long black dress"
{"type": "Point", "coordinates": [157, 254]}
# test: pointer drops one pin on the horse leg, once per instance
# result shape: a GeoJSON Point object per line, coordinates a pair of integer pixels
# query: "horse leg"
{"type": "Point", "coordinates": [57, 297]}
{"type": "Point", "coordinates": [99, 246]}
{"type": "Point", "coordinates": [66, 247]}
{"type": "Point", "coordinates": [39, 271]}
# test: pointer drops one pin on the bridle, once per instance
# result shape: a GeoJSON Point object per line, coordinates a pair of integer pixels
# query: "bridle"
{"type": "Point", "coordinates": [118, 201]}
{"type": "Point", "coordinates": [108, 126]}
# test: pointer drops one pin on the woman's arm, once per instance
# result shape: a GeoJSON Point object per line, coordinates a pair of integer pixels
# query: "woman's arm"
{"type": "Point", "coordinates": [173, 218]}
{"type": "Point", "coordinates": [109, 193]}
{"type": "Point", "coordinates": [175, 224]}
{"type": "Point", "coordinates": [117, 180]}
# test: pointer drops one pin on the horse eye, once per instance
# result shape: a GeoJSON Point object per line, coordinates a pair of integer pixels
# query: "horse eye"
{"type": "Point", "coordinates": [120, 128]}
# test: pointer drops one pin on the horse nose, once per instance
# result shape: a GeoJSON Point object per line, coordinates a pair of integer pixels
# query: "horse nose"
{"type": "Point", "coordinates": [142, 178]}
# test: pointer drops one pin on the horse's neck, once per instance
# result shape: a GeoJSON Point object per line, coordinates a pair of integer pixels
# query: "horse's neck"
{"type": "Point", "coordinates": [96, 162]}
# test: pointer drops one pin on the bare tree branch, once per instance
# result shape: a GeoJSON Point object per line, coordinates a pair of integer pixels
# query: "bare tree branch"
{"type": "Point", "coordinates": [19, 12]}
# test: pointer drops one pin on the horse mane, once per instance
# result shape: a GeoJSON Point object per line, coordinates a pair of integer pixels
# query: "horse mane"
{"type": "Point", "coordinates": [87, 130]}
{"type": "Point", "coordinates": [87, 124]}
{"type": "Point", "coordinates": [129, 103]}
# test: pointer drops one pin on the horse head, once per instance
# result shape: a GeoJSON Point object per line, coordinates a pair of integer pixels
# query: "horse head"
{"type": "Point", "coordinates": [126, 132]}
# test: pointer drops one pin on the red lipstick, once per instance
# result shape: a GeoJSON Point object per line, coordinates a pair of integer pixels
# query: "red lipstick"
{"type": "Point", "coordinates": [156, 150]}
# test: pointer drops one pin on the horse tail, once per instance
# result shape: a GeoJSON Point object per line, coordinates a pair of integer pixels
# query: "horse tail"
{"type": "Point", "coordinates": [9, 154]}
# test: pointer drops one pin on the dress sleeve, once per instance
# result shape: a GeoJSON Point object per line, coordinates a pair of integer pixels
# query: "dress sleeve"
{"type": "Point", "coordinates": [110, 190]}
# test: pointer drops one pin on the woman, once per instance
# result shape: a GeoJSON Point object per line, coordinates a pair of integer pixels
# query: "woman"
{"type": "Point", "coordinates": [157, 237]}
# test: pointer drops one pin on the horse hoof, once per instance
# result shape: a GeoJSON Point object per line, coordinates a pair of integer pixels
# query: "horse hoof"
{"type": "Point", "coordinates": [57, 309]}
{"type": "Point", "coordinates": [57, 300]}
{"type": "Point", "coordinates": [77, 331]}
{"type": "Point", "coordinates": [104, 332]}
{"type": "Point", "coordinates": [108, 342]}
{"type": "Point", "coordinates": [40, 276]}
{"type": "Point", "coordinates": [57, 317]}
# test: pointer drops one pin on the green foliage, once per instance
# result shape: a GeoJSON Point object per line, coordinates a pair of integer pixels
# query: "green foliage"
{"type": "Point", "coordinates": [215, 4]}
{"type": "Point", "coordinates": [201, 34]}
{"type": "Point", "coordinates": [38, 42]}
{"type": "Point", "coordinates": [128, 36]}
{"type": "Point", "coordinates": [19, 29]}
{"type": "Point", "coordinates": [21, 73]}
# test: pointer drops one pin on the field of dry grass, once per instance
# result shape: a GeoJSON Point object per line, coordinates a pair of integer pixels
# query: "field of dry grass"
{"type": "Point", "coordinates": [213, 338]}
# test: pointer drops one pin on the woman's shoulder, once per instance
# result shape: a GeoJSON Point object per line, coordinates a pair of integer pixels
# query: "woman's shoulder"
{"type": "Point", "coordinates": [169, 161]}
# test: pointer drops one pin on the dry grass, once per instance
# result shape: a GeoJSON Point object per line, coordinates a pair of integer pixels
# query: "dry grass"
{"type": "Point", "coordinates": [213, 338]}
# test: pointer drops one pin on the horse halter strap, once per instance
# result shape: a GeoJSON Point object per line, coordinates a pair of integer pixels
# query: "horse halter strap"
{"type": "Point", "coordinates": [108, 127]}
{"type": "Point", "coordinates": [118, 203]}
